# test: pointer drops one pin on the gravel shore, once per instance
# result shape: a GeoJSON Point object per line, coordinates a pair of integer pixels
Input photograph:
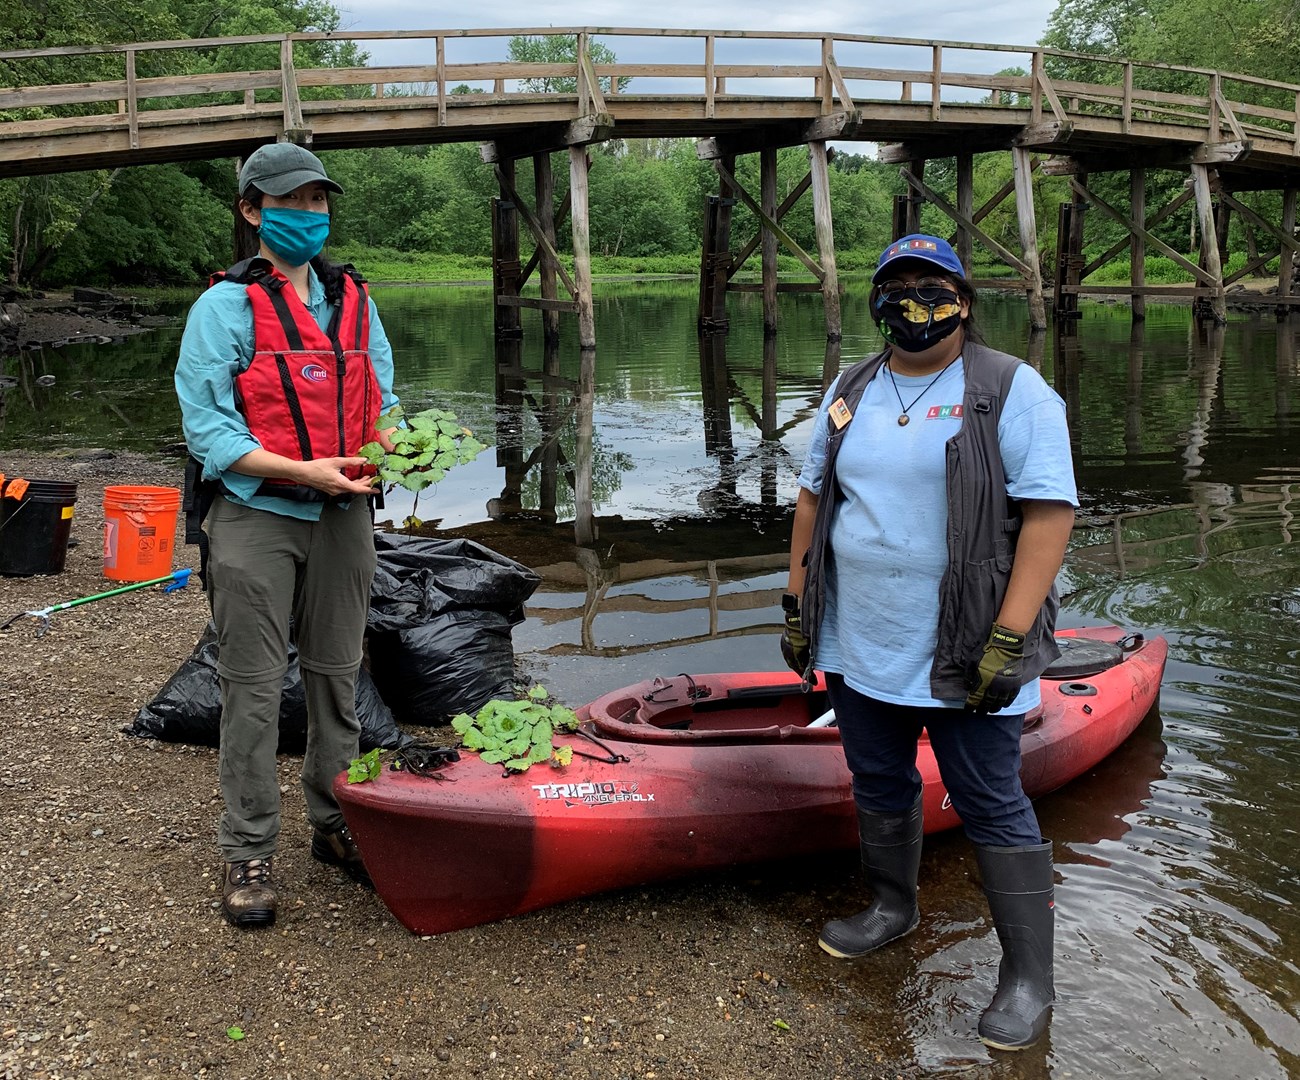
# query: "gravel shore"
{"type": "Point", "coordinates": [117, 963]}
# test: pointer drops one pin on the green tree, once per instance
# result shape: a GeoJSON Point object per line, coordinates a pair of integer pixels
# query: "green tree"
{"type": "Point", "coordinates": [637, 208]}
{"type": "Point", "coordinates": [1252, 37]}
{"type": "Point", "coordinates": [156, 224]}
{"type": "Point", "coordinates": [126, 234]}
{"type": "Point", "coordinates": [558, 49]}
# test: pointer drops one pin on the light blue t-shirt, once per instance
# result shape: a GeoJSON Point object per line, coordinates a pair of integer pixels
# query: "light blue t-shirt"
{"type": "Point", "coordinates": [216, 346]}
{"type": "Point", "coordinates": [888, 536]}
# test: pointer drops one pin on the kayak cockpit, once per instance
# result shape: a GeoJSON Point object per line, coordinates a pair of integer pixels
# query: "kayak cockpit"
{"type": "Point", "coordinates": [762, 707]}
{"type": "Point", "coordinates": [768, 707]}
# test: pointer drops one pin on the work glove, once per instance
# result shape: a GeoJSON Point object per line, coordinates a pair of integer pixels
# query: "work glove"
{"type": "Point", "coordinates": [994, 681]}
{"type": "Point", "coordinates": [795, 646]}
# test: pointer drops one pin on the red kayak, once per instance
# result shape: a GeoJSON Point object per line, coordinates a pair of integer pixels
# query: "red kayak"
{"type": "Point", "coordinates": [687, 774]}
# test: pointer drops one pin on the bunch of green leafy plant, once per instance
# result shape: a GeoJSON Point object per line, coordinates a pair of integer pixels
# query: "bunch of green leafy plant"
{"type": "Point", "coordinates": [425, 448]}
{"type": "Point", "coordinates": [518, 734]}
{"type": "Point", "coordinates": [365, 767]}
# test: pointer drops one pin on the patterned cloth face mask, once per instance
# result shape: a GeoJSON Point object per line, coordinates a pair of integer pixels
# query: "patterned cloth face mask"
{"type": "Point", "coordinates": [915, 315]}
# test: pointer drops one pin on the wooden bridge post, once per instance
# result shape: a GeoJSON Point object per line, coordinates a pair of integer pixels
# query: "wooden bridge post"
{"type": "Point", "coordinates": [1137, 243]}
{"type": "Point", "coordinates": [1076, 225]}
{"type": "Point", "coordinates": [907, 208]}
{"type": "Point", "coordinates": [1070, 260]}
{"type": "Point", "coordinates": [965, 206]}
{"type": "Point", "coordinates": [722, 252]}
{"type": "Point", "coordinates": [708, 259]}
{"type": "Point", "coordinates": [821, 193]}
{"type": "Point", "coordinates": [898, 227]}
{"type": "Point", "coordinates": [505, 257]}
{"type": "Point", "coordinates": [1023, 168]}
{"type": "Point", "coordinates": [1222, 222]}
{"type": "Point", "coordinates": [1069, 263]}
{"type": "Point", "coordinates": [767, 169]}
{"type": "Point", "coordinates": [1286, 262]}
{"type": "Point", "coordinates": [544, 187]}
{"type": "Point", "coordinates": [715, 254]}
{"type": "Point", "coordinates": [911, 222]}
{"type": "Point", "coordinates": [1218, 307]}
{"type": "Point", "coordinates": [578, 203]}
{"type": "Point", "coordinates": [914, 200]}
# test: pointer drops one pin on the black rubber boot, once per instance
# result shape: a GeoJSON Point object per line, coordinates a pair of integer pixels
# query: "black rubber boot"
{"type": "Point", "coordinates": [891, 857]}
{"type": "Point", "coordinates": [1018, 884]}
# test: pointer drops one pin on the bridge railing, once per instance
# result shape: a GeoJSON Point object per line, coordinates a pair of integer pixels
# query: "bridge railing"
{"type": "Point", "coordinates": [129, 85]}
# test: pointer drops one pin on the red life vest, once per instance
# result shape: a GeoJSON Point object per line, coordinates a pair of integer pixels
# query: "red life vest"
{"type": "Point", "coordinates": [308, 393]}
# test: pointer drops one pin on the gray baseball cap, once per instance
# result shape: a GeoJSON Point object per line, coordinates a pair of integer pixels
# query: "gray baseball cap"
{"type": "Point", "coordinates": [278, 168]}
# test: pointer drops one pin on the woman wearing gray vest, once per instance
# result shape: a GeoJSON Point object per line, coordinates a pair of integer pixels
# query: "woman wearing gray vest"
{"type": "Point", "coordinates": [934, 508]}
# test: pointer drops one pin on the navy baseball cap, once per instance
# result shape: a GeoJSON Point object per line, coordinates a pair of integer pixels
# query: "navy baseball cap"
{"type": "Point", "coordinates": [929, 249]}
{"type": "Point", "coordinates": [279, 168]}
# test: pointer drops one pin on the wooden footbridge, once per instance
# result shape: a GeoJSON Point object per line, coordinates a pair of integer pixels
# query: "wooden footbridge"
{"type": "Point", "coordinates": [735, 92]}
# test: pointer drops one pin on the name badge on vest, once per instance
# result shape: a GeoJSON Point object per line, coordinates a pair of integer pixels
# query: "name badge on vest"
{"type": "Point", "coordinates": [839, 414]}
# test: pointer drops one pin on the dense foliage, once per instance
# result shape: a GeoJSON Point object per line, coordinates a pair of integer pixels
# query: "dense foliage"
{"type": "Point", "coordinates": [155, 223]}
{"type": "Point", "coordinates": [426, 208]}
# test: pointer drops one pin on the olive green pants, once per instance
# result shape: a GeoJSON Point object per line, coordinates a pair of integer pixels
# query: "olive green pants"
{"type": "Point", "coordinates": [263, 570]}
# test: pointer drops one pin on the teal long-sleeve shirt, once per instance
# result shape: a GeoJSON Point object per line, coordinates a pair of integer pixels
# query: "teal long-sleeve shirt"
{"type": "Point", "coordinates": [216, 346]}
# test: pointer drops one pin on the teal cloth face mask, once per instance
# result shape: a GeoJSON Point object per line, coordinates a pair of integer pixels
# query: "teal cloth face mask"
{"type": "Point", "coordinates": [297, 236]}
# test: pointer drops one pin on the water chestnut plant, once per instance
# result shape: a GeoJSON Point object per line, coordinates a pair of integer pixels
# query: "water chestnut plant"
{"type": "Point", "coordinates": [518, 734]}
{"type": "Point", "coordinates": [425, 449]}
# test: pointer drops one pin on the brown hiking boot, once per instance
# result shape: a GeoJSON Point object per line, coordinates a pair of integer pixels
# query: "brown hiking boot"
{"type": "Point", "coordinates": [339, 849]}
{"type": "Point", "coordinates": [248, 898]}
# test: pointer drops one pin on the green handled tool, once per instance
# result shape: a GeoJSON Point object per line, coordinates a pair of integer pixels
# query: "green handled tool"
{"type": "Point", "coordinates": [178, 579]}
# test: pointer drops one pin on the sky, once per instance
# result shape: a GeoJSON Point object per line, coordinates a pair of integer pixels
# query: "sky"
{"type": "Point", "coordinates": [1008, 22]}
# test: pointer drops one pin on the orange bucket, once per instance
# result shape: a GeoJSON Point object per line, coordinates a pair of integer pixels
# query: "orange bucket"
{"type": "Point", "coordinates": [139, 531]}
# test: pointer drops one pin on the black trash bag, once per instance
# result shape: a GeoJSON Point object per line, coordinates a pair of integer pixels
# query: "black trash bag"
{"type": "Point", "coordinates": [441, 612]}
{"type": "Point", "coordinates": [456, 662]}
{"type": "Point", "coordinates": [188, 707]}
{"type": "Point", "coordinates": [419, 577]}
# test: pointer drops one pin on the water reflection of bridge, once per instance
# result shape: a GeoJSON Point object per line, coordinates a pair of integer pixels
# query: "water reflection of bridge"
{"type": "Point", "coordinates": [727, 559]}
{"type": "Point", "coordinates": [1261, 519]}
{"type": "Point", "coordinates": [674, 564]}
{"type": "Point", "coordinates": [1233, 512]}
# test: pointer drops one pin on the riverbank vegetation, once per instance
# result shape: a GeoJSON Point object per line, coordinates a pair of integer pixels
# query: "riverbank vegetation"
{"type": "Point", "coordinates": [421, 213]}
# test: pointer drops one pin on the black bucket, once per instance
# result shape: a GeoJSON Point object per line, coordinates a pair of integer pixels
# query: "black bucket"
{"type": "Point", "coordinates": [34, 528]}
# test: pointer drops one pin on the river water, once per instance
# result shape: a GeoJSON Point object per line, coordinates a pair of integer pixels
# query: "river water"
{"type": "Point", "coordinates": [652, 487]}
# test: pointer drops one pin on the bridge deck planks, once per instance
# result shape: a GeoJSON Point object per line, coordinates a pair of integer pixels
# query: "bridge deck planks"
{"type": "Point", "coordinates": [1117, 125]}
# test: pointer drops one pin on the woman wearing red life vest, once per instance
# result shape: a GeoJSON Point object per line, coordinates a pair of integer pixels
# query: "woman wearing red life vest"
{"type": "Point", "coordinates": [284, 368]}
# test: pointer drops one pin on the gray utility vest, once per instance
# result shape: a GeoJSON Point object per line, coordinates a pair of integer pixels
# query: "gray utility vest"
{"type": "Point", "coordinates": [983, 527]}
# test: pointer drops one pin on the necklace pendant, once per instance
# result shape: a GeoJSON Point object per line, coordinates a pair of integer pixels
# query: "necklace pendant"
{"type": "Point", "coordinates": [903, 420]}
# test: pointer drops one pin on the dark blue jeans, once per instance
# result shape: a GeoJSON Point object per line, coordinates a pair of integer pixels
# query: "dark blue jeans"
{"type": "Point", "coordinates": [978, 756]}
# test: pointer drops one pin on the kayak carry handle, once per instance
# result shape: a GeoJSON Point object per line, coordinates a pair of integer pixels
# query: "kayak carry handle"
{"type": "Point", "coordinates": [661, 685]}
{"type": "Point", "coordinates": [827, 719]}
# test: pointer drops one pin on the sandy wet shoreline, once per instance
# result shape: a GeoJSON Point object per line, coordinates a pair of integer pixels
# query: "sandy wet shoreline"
{"type": "Point", "coordinates": [115, 962]}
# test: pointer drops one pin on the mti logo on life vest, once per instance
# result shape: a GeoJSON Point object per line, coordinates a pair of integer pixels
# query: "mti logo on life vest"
{"type": "Point", "coordinates": [315, 373]}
